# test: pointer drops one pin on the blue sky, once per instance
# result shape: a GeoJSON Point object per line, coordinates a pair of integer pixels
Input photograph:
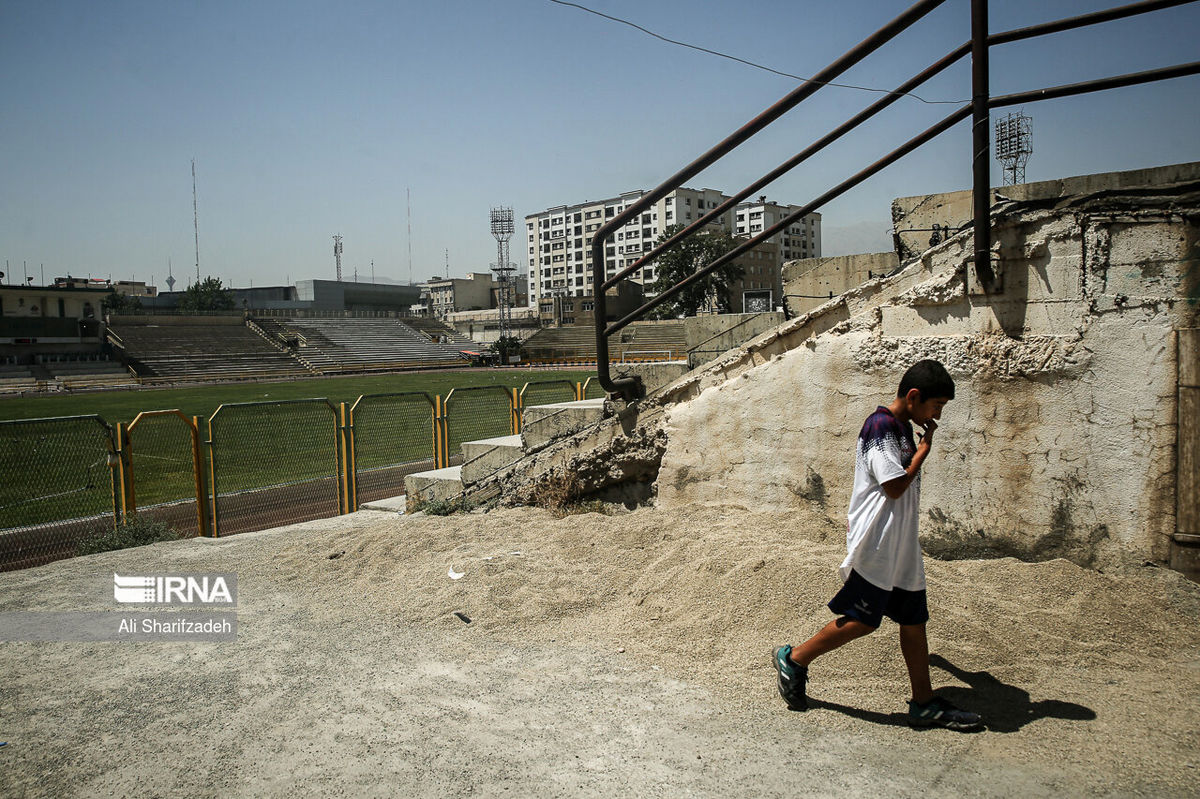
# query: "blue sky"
{"type": "Point", "coordinates": [309, 118]}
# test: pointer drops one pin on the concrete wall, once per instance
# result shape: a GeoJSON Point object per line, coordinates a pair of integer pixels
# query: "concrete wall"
{"type": "Point", "coordinates": [812, 282]}
{"type": "Point", "coordinates": [954, 209]}
{"type": "Point", "coordinates": [1062, 438]}
{"type": "Point", "coordinates": [711, 335]}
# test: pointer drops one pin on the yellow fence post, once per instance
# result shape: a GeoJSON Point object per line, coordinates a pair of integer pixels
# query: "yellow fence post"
{"type": "Point", "coordinates": [515, 403]}
{"type": "Point", "coordinates": [348, 459]}
{"type": "Point", "coordinates": [439, 439]}
{"type": "Point", "coordinates": [114, 478]}
{"type": "Point", "coordinates": [125, 455]}
{"type": "Point", "coordinates": [212, 478]}
{"type": "Point", "coordinates": [198, 469]}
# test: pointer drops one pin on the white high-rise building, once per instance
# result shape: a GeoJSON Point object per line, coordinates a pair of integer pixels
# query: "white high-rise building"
{"type": "Point", "coordinates": [558, 240]}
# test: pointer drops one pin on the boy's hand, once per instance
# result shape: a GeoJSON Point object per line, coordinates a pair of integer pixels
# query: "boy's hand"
{"type": "Point", "coordinates": [927, 436]}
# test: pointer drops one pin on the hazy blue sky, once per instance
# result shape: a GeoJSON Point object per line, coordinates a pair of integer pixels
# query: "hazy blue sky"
{"type": "Point", "coordinates": [309, 118]}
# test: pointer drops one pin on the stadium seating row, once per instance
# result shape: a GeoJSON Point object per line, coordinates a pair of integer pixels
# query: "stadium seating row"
{"type": "Point", "coordinates": [277, 347]}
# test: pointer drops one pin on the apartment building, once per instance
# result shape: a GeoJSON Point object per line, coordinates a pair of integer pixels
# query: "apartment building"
{"type": "Point", "coordinates": [558, 240]}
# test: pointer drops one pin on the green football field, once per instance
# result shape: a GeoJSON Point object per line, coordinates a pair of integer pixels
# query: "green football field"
{"type": "Point", "coordinates": [124, 405]}
{"type": "Point", "coordinates": [280, 450]}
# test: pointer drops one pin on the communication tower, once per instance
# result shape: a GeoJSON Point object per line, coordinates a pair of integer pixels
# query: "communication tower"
{"type": "Point", "coordinates": [502, 229]}
{"type": "Point", "coordinates": [1014, 145]}
{"type": "Point", "coordinates": [337, 256]}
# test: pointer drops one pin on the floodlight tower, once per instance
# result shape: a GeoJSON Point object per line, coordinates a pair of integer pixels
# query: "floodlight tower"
{"type": "Point", "coordinates": [502, 229]}
{"type": "Point", "coordinates": [337, 256]}
{"type": "Point", "coordinates": [1014, 145]}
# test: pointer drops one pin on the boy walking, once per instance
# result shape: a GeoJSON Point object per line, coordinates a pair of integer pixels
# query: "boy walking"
{"type": "Point", "coordinates": [883, 570]}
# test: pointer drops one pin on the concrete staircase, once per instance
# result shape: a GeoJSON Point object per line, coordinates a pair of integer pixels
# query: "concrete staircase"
{"type": "Point", "coordinates": [540, 425]}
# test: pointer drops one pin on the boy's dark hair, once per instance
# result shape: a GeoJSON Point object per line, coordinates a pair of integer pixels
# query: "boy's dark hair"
{"type": "Point", "coordinates": [930, 378]}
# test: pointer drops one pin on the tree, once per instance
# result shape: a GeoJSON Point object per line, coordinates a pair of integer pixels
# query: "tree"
{"type": "Point", "coordinates": [116, 303]}
{"type": "Point", "coordinates": [683, 260]}
{"type": "Point", "coordinates": [506, 347]}
{"type": "Point", "coordinates": [206, 295]}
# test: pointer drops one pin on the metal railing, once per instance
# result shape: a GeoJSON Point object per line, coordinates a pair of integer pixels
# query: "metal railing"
{"type": "Point", "coordinates": [977, 110]}
{"type": "Point", "coordinates": [249, 466]}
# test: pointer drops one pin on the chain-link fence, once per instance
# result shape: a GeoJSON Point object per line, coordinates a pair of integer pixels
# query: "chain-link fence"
{"type": "Point", "coordinates": [56, 487]}
{"type": "Point", "coordinates": [391, 436]}
{"type": "Point", "coordinates": [274, 463]}
{"type": "Point", "coordinates": [162, 455]}
{"type": "Point", "coordinates": [547, 392]}
{"type": "Point", "coordinates": [474, 413]}
{"type": "Point", "coordinates": [593, 390]}
{"type": "Point", "coordinates": [264, 464]}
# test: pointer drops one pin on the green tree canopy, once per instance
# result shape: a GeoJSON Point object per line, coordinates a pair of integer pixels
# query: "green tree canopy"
{"type": "Point", "coordinates": [116, 303]}
{"type": "Point", "coordinates": [682, 260]}
{"type": "Point", "coordinates": [206, 295]}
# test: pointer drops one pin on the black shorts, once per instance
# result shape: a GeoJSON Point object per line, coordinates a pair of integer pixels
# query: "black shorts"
{"type": "Point", "coordinates": [868, 603]}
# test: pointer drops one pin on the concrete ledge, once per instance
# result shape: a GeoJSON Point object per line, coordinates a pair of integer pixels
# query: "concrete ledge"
{"type": "Point", "coordinates": [390, 504]}
{"type": "Point", "coordinates": [484, 457]}
{"type": "Point", "coordinates": [434, 484]}
{"type": "Point", "coordinates": [541, 424]}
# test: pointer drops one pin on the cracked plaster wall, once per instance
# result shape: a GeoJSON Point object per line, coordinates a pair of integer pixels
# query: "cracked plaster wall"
{"type": "Point", "coordinates": [1061, 439]}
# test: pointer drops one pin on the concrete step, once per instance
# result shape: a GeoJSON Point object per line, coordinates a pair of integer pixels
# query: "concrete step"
{"type": "Point", "coordinates": [541, 424]}
{"type": "Point", "coordinates": [435, 484]}
{"type": "Point", "coordinates": [484, 457]}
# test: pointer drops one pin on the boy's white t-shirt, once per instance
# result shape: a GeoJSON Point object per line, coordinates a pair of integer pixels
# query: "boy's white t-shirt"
{"type": "Point", "coordinates": [881, 539]}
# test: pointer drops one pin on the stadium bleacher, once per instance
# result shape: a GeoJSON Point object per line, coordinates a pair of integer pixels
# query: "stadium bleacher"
{"type": "Point", "coordinates": [15, 378]}
{"type": "Point", "coordinates": [85, 370]}
{"type": "Point", "coordinates": [353, 344]}
{"type": "Point", "coordinates": [443, 332]}
{"type": "Point", "coordinates": [193, 348]}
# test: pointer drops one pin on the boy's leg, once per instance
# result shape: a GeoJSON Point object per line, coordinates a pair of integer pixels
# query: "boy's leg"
{"type": "Point", "coordinates": [791, 665]}
{"type": "Point", "coordinates": [915, 647]}
{"type": "Point", "coordinates": [925, 709]}
{"type": "Point", "coordinates": [837, 633]}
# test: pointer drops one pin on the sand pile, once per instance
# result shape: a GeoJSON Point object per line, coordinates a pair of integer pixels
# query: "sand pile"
{"type": "Point", "coordinates": [605, 655]}
{"type": "Point", "coordinates": [1107, 665]}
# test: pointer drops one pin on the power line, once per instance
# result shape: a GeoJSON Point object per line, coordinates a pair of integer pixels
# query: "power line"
{"type": "Point", "coordinates": [751, 63]}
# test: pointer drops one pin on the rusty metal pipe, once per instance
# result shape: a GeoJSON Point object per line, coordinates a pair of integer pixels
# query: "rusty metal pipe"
{"type": "Point", "coordinates": [887, 160]}
{"type": "Point", "coordinates": [1115, 82]}
{"type": "Point", "coordinates": [629, 387]}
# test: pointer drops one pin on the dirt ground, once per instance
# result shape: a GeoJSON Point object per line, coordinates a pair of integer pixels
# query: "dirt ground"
{"type": "Point", "coordinates": [606, 655]}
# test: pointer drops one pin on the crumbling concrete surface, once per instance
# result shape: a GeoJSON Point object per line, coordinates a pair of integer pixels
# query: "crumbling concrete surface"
{"type": "Point", "coordinates": [1061, 441]}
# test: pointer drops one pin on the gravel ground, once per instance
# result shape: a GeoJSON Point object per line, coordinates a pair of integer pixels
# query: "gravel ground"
{"type": "Point", "coordinates": [605, 655]}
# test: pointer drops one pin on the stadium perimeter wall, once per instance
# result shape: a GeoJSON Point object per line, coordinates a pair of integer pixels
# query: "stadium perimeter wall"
{"type": "Point", "coordinates": [1062, 440]}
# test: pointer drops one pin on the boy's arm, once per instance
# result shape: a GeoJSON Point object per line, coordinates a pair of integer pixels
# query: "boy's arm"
{"type": "Point", "coordinates": [896, 488]}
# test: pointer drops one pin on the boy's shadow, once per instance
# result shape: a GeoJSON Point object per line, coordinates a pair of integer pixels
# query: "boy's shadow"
{"type": "Point", "coordinates": [1005, 708]}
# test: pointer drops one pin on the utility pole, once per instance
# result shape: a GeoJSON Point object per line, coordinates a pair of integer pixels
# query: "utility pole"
{"type": "Point", "coordinates": [337, 256]}
{"type": "Point", "coordinates": [196, 221]}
